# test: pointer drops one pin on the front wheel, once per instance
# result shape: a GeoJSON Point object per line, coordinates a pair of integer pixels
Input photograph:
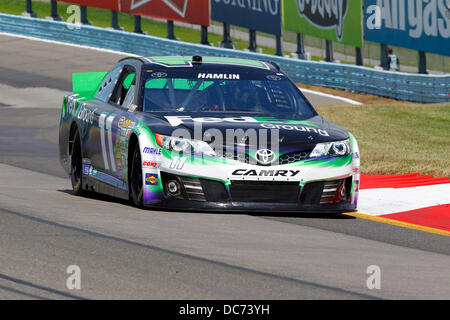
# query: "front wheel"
{"type": "Point", "coordinates": [136, 190]}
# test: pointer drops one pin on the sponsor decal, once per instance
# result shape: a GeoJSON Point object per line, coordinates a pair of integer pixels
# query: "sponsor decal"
{"type": "Point", "coordinates": [267, 122]}
{"type": "Point", "coordinates": [324, 14]}
{"type": "Point", "coordinates": [150, 164]}
{"type": "Point", "coordinates": [356, 185]}
{"type": "Point", "coordinates": [71, 103]}
{"type": "Point", "coordinates": [159, 75]}
{"type": "Point", "coordinates": [86, 169]}
{"type": "Point", "coordinates": [128, 134]}
{"type": "Point", "coordinates": [151, 179]}
{"type": "Point", "coordinates": [86, 114]}
{"type": "Point", "coordinates": [177, 120]}
{"type": "Point", "coordinates": [220, 76]}
{"type": "Point", "coordinates": [293, 127]}
{"type": "Point", "coordinates": [177, 163]}
{"type": "Point", "coordinates": [137, 131]}
{"type": "Point", "coordinates": [355, 155]}
{"type": "Point", "coordinates": [150, 150]}
{"type": "Point", "coordinates": [265, 156]}
{"type": "Point", "coordinates": [125, 123]}
{"type": "Point", "coordinates": [265, 173]}
{"type": "Point", "coordinates": [106, 135]}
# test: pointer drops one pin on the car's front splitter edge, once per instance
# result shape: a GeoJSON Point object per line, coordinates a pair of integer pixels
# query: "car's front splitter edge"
{"type": "Point", "coordinates": [189, 205]}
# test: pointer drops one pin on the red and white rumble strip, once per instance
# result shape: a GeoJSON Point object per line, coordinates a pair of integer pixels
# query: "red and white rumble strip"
{"type": "Point", "coordinates": [411, 198]}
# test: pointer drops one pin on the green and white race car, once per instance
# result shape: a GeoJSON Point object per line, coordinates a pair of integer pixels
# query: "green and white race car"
{"type": "Point", "coordinates": [205, 133]}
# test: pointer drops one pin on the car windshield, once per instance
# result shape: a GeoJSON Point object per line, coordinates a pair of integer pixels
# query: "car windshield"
{"type": "Point", "coordinates": [217, 92]}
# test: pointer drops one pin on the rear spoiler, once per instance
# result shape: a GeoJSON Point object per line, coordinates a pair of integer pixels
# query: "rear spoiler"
{"type": "Point", "coordinates": [86, 84]}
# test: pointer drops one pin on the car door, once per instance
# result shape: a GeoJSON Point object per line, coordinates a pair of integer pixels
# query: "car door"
{"type": "Point", "coordinates": [115, 124]}
{"type": "Point", "coordinates": [104, 149]}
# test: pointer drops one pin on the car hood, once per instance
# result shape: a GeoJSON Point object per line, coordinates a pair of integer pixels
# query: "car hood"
{"type": "Point", "coordinates": [293, 134]}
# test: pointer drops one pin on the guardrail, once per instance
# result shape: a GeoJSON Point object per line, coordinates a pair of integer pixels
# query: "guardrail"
{"type": "Point", "coordinates": [402, 86]}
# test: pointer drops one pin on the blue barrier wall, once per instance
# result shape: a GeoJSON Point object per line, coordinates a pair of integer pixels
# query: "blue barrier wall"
{"type": "Point", "coordinates": [403, 86]}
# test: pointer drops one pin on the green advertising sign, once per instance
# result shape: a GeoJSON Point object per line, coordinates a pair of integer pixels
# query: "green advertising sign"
{"type": "Point", "coordinates": [332, 20]}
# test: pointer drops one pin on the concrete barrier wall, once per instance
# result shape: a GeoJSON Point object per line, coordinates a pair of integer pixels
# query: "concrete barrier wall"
{"type": "Point", "coordinates": [403, 86]}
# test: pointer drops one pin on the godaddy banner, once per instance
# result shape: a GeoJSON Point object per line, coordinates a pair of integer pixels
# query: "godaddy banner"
{"type": "Point", "coordinates": [416, 24]}
{"type": "Point", "coordinates": [336, 20]}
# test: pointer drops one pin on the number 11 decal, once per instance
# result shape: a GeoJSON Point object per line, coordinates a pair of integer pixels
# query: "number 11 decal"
{"type": "Point", "coordinates": [101, 123]}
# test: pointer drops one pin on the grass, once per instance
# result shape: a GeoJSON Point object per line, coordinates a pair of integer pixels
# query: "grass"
{"type": "Point", "coordinates": [396, 139]}
{"type": "Point", "coordinates": [102, 18]}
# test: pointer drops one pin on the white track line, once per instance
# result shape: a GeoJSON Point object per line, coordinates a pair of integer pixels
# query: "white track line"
{"type": "Point", "coordinates": [350, 101]}
{"type": "Point", "coordinates": [389, 200]}
{"type": "Point", "coordinates": [134, 55]}
{"type": "Point", "coordinates": [68, 44]}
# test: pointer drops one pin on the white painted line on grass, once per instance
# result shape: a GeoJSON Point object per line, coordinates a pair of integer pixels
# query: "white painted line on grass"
{"type": "Point", "coordinates": [350, 101]}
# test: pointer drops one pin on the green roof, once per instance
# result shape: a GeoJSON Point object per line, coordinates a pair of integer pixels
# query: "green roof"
{"type": "Point", "coordinates": [184, 61]}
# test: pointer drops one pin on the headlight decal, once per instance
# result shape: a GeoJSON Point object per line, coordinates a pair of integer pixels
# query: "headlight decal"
{"type": "Point", "coordinates": [183, 145]}
{"type": "Point", "coordinates": [331, 149]}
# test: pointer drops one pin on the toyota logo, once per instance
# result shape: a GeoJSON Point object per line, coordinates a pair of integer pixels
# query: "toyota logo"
{"type": "Point", "coordinates": [265, 156]}
{"type": "Point", "coordinates": [159, 75]}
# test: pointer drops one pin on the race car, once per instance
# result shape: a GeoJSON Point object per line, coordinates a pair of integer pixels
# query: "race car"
{"type": "Point", "coordinates": [205, 133]}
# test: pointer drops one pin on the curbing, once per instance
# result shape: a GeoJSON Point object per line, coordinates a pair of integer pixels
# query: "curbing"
{"type": "Point", "coordinates": [402, 86]}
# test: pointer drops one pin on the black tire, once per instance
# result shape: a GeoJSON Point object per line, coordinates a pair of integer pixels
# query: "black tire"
{"type": "Point", "coordinates": [136, 188]}
{"type": "Point", "coordinates": [76, 168]}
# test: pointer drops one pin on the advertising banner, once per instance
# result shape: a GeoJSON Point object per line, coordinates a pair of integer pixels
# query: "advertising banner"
{"type": "Point", "coordinates": [416, 24]}
{"type": "Point", "coordinates": [190, 11]}
{"type": "Point", "coordinates": [336, 20]}
{"type": "Point", "coordinates": [260, 15]}
{"type": "Point", "coordinates": [102, 4]}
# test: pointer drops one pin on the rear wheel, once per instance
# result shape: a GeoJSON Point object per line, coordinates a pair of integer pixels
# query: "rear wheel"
{"type": "Point", "coordinates": [136, 190]}
{"type": "Point", "coordinates": [76, 167]}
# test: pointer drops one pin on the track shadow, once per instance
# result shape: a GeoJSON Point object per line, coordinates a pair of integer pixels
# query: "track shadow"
{"type": "Point", "coordinates": [98, 196]}
{"type": "Point", "coordinates": [274, 214]}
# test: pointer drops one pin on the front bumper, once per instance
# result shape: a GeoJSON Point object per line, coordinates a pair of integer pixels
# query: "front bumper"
{"type": "Point", "coordinates": [255, 196]}
{"type": "Point", "coordinates": [328, 185]}
{"type": "Point", "coordinates": [178, 204]}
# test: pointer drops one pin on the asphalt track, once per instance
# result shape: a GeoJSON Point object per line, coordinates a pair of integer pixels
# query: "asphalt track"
{"type": "Point", "coordinates": [125, 253]}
